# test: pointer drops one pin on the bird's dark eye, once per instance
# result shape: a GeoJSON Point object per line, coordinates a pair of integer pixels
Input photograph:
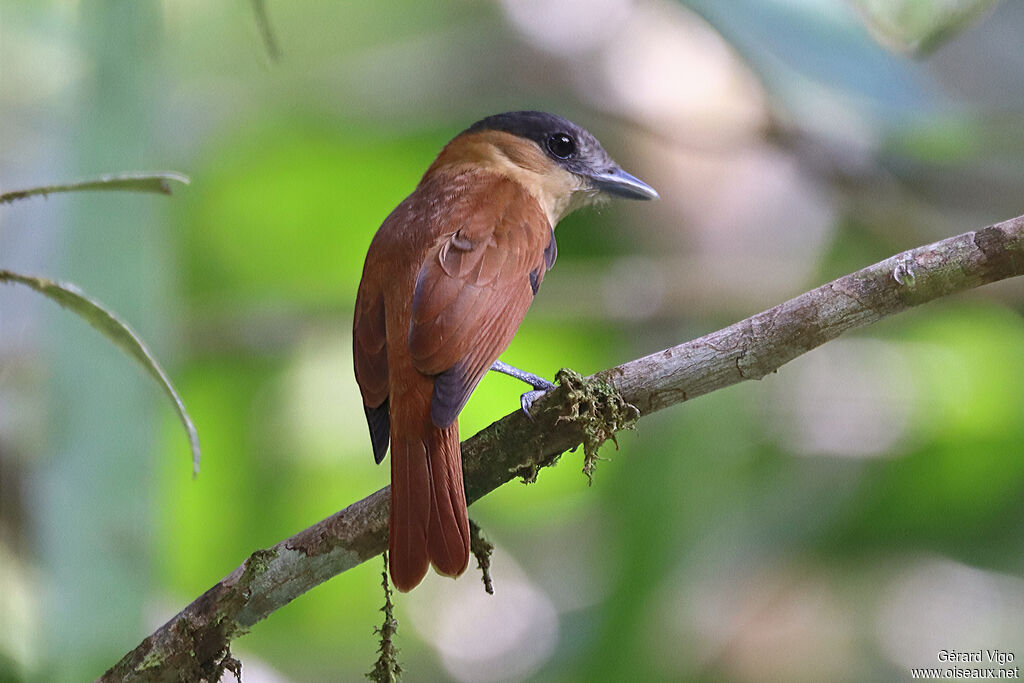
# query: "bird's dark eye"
{"type": "Point", "coordinates": [561, 145]}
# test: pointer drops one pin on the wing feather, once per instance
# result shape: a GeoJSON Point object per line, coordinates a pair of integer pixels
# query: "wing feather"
{"type": "Point", "coordinates": [474, 287]}
{"type": "Point", "coordinates": [370, 356]}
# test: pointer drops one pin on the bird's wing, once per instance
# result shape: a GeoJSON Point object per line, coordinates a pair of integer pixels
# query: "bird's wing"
{"type": "Point", "coordinates": [370, 355]}
{"type": "Point", "coordinates": [474, 287]}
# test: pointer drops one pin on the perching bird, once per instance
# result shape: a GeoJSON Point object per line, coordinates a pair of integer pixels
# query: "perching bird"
{"type": "Point", "coordinates": [447, 280]}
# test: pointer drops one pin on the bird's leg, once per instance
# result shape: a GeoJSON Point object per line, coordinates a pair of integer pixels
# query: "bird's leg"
{"type": "Point", "coordinates": [522, 375]}
{"type": "Point", "coordinates": [540, 385]}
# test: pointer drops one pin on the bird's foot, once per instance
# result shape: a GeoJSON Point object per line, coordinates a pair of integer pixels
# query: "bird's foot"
{"type": "Point", "coordinates": [533, 380]}
{"type": "Point", "coordinates": [527, 400]}
{"type": "Point", "coordinates": [540, 385]}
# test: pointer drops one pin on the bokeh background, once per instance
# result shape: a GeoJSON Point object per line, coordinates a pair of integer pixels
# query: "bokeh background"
{"type": "Point", "coordinates": [842, 520]}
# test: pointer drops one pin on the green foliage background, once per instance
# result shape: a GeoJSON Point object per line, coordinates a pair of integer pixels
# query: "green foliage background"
{"type": "Point", "coordinates": [842, 520]}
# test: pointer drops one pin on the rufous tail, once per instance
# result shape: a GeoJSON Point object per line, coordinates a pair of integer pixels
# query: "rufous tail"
{"type": "Point", "coordinates": [429, 523]}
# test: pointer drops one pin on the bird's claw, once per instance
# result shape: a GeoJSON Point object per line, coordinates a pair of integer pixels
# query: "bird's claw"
{"type": "Point", "coordinates": [527, 399]}
{"type": "Point", "coordinates": [541, 384]}
{"type": "Point", "coordinates": [904, 273]}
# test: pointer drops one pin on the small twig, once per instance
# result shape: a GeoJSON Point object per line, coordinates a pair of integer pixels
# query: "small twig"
{"type": "Point", "coordinates": [158, 181]}
{"type": "Point", "coordinates": [387, 670]}
{"type": "Point", "coordinates": [259, 9]}
{"type": "Point", "coordinates": [482, 549]}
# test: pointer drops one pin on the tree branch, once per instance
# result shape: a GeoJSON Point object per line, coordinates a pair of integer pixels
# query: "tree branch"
{"type": "Point", "coordinates": [194, 644]}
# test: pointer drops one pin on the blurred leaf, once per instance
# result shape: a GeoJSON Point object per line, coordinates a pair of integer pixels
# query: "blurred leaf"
{"type": "Point", "coordinates": [970, 375]}
{"type": "Point", "coordinates": [919, 26]}
{"type": "Point", "coordinates": [960, 477]}
{"type": "Point", "coordinates": [943, 140]}
{"type": "Point", "coordinates": [793, 45]}
{"type": "Point", "coordinates": [129, 182]}
{"type": "Point", "coordinates": [70, 297]}
{"type": "Point", "coordinates": [286, 212]}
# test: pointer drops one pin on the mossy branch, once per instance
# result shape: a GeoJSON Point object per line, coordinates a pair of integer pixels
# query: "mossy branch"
{"type": "Point", "coordinates": [192, 645]}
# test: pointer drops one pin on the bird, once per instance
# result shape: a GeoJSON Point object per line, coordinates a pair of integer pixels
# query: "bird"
{"type": "Point", "coordinates": [447, 280]}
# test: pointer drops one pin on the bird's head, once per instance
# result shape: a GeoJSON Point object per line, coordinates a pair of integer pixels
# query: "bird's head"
{"type": "Point", "coordinates": [560, 163]}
